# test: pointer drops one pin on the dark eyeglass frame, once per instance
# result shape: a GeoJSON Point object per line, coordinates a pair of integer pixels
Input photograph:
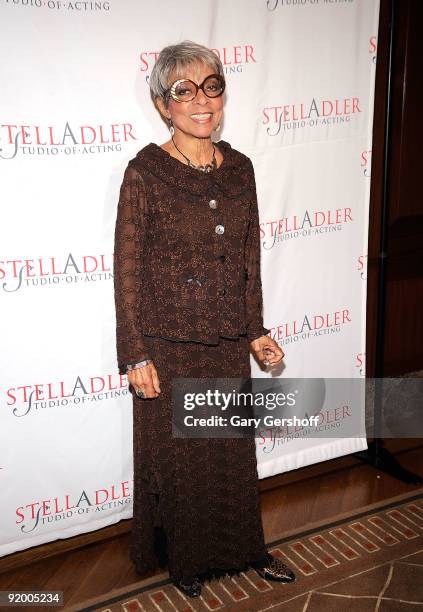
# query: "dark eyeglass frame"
{"type": "Point", "coordinates": [171, 91]}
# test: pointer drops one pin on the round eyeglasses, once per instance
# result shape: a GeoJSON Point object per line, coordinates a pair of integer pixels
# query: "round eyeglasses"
{"type": "Point", "coordinates": [185, 90]}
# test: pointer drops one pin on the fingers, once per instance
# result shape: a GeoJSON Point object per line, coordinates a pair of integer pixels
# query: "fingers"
{"type": "Point", "coordinates": [267, 351]}
{"type": "Point", "coordinates": [156, 382]}
{"type": "Point", "coordinates": [271, 353]}
{"type": "Point", "coordinates": [145, 379]}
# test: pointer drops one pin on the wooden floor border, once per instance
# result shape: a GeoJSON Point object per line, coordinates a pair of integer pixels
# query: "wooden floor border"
{"type": "Point", "coordinates": [163, 579]}
{"type": "Point", "coordinates": [43, 551]}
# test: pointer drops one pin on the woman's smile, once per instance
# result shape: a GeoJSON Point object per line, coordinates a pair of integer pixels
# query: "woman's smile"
{"type": "Point", "coordinates": [202, 117]}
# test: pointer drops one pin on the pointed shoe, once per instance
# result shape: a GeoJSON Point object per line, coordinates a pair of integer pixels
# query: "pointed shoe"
{"type": "Point", "coordinates": [189, 586]}
{"type": "Point", "coordinates": [276, 570]}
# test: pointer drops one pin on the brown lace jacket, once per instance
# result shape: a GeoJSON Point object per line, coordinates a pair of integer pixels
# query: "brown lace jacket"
{"type": "Point", "coordinates": [187, 253]}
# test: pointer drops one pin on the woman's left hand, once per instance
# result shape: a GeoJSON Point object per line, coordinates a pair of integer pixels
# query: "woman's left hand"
{"type": "Point", "coordinates": [267, 350]}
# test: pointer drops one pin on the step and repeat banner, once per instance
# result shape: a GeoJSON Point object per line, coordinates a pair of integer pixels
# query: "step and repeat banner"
{"type": "Point", "coordinates": [75, 107]}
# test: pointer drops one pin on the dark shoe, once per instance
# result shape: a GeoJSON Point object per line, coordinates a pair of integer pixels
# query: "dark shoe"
{"type": "Point", "coordinates": [276, 570]}
{"type": "Point", "coordinates": [189, 586]}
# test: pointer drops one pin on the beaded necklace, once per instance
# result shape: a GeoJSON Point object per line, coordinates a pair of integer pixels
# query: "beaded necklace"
{"type": "Point", "coordinates": [203, 168]}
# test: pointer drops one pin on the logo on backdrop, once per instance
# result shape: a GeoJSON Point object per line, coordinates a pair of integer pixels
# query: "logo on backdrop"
{"type": "Point", "coordinates": [88, 390]}
{"type": "Point", "coordinates": [366, 162]}
{"type": "Point", "coordinates": [61, 5]}
{"type": "Point", "coordinates": [43, 512]}
{"type": "Point", "coordinates": [309, 114]}
{"type": "Point", "coordinates": [362, 266]}
{"type": "Point", "coordinates": [274, 4]}
{"type": "Point", "coordinates": [311, 326]}
{"type": "Point", "coordinates": [19, 273]}
{"type": "Point", "coordinates": [308, 224]}
{"type": "Point", "coordinates": [360, 363]}
{"type": "Point", "coordinates": [64, 139]}
{"type": "Point", "coordinates": [330, 419]}
{"type": "Point", "coordinates": [373, 48]}
{"type": "Point", "coordinates": [234, 58]}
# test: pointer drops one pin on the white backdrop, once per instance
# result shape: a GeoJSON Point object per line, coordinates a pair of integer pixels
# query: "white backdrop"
{"type": "Point", "coordinates": [75, 107]}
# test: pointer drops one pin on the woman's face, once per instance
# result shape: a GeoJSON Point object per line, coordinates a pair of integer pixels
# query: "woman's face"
{"type": "Point", "coordinates": [200, 116]}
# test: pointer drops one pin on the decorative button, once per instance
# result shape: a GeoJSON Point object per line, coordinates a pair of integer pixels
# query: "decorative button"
{"type": "Point", "coordinates": [219, 229]}
{"type": "Point", "coordinates": [221, 258]}
{"type": "Point", "coordinates": [213, 204]}
{"type": "Point", "coordinates": [222, 291]}
{"type": "Point", "coordinates": [195, 280]}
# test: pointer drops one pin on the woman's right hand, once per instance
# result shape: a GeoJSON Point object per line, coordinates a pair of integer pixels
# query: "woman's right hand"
{"type": "Point", "coordinates": [145, 379]}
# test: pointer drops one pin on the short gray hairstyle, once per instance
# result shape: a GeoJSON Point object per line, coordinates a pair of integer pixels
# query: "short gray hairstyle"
{"type": "Point", "coordinates": [174, 59]}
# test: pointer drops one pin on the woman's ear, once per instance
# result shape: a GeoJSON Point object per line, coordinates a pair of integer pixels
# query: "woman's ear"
{"type": "Point", "coordinates": [162, 108]}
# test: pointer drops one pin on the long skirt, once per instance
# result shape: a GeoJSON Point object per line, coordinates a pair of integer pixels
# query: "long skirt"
{"type": "Point", "coordinates": [196, 500]}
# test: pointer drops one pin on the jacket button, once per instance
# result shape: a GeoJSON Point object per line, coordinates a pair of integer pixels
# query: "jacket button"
{"type": "Point", "coordinates": [213, 204]}
{"type": "Point", "coordinates": [222, 291]}
{"type": "Point", "coordinates": [221, 258]}
{"type": "Point", "coordinates": [219, 229]}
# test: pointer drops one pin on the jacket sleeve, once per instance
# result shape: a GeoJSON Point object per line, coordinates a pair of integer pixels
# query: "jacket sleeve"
{"type": "Point", "coordinates": [129, 250]}
{"type": "Point", "coordinates": [253, 288]}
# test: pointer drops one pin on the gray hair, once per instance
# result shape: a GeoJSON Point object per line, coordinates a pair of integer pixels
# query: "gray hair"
{"type": "Point", "coordinates": [174, 59]}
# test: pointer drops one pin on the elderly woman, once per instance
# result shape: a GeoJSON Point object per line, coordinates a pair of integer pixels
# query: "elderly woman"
{"type": "Point", "coordinates": [188, 302]}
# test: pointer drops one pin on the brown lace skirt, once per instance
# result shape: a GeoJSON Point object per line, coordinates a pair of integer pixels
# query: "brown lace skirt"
{"type": "Point", "coordinates": [196, 501]}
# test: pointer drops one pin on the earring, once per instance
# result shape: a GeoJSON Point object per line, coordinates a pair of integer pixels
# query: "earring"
{"type": "Point", "coordinates": [217, 128]}
{"type": "Point", "coordinates": [171, 128]}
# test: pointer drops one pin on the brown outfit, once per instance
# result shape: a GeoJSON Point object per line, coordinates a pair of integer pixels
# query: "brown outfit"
{"type": "Point", "coordinates": [188, 295]}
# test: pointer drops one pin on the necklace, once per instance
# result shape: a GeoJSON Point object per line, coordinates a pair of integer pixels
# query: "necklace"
{"type": "Point", "coordinates": [203, 168]}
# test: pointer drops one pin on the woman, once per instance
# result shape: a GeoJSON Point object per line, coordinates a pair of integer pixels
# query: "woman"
{"type": "Point", "coordinates": [189, 304]}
